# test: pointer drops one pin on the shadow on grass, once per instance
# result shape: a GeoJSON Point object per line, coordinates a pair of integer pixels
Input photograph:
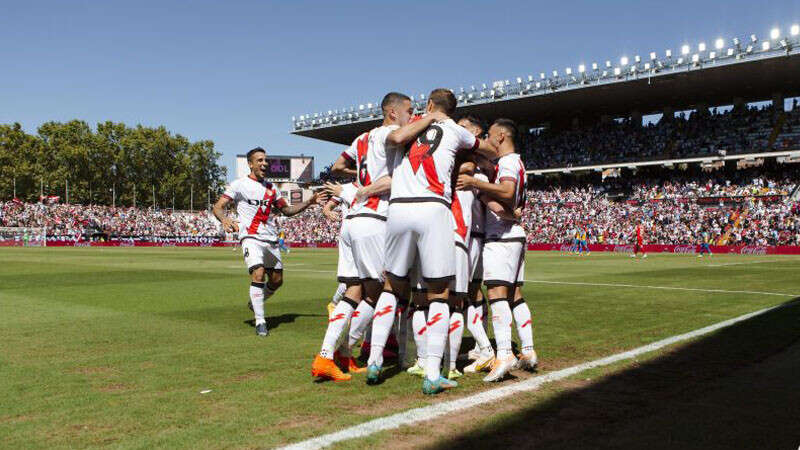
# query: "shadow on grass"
{"type": "Point", "coordinates": [737, 388]}
{"type": "Point", "coordinates": [275, 321]}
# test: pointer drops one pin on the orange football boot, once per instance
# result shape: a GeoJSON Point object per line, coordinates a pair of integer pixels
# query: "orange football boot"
{"type": "Point", "coordinates": [348, 363]}
{"type": "Point", "coordinates": [327, 369]}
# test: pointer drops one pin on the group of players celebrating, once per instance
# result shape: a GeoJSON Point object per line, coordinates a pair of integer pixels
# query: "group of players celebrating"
{"type": "Point", "coordinates": [433, 213]}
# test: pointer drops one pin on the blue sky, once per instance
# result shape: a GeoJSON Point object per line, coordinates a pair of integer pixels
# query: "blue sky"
{"type": "Point", "coordinates": [235, 72]}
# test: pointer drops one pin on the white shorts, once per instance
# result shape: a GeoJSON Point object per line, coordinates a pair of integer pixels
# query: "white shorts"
{"type": "Point", "coordinates": [346, 271]}
{"type": "Point", "coordinates": [476, 258]}
{"type": "Point", "coordinates": [362, 243]}
{"type": "Point", "coordinates": [504, 262]}
{"type": "Point", "coordinates": [460, 284]}
{"type": "Point", "coordinates": [261, 254]}
{"type": "Point", "coordinates": [422, 231]}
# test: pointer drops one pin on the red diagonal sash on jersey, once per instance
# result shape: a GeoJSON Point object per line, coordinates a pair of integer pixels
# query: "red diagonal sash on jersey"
{"type": "Point", "coordinates": [362, 146]}
{"type": "Point", "coordinates": [458, 214]}
{"type": "Point", "coordinates": [421, 153]}
{"type": "Point", "coordinates": [262, 214]}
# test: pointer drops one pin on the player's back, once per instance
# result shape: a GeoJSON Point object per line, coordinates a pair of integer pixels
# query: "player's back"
{"type": "Point", "coordinates": [374, 160]}
{"type": "Point", "coordinates": [424, 173]}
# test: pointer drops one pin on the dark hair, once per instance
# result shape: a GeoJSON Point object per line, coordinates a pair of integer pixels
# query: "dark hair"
{"type": "Point", "coordinates": [508, 125]}
{"type": "Point", "coordinates": [254, 151]}
{"type": "Point", "coordinates": [475, 121]}
{"type": "Point", "coordinates": [443, 99]}
{"type": "Point", "coordinates": [392, 98]}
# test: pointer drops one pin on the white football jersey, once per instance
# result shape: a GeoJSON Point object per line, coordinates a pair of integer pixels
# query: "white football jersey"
{"type": "Point", "coordinates": [374, 159]}
{"type": "Point", "coordinates": [255, 201]}
{"type": "Point", "coordinates": [346, 198]}
{"type": "Point", "coordinates": [509, 168]}
{"type": "Point", "coordinates": [424, 173]}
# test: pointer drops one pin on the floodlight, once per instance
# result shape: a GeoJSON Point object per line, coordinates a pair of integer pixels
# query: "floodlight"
{"type": "Point", "coordinates": [608, 64]}
{"type": "Point", "coordinates": [784, 43]}
{"type": "Point", "coordinates": [795, 30]}
{"type": "Point", "coordinates": [530, 77]}
{"type": "Point", "coordinates": [695, 58]}
{"type": "Point", "coordinates": [568, 70]}
{"type": "Point", "coordinates": [668, 52]}
{"type": "Point", "coordinates": [538, 85]}
{"type": "Point", "coordinates": [774, 33]}
{"type": "Point", "coordinates": [624, 60]}
{"type": "Point", "coordinates": [753, 38]}
{"type": "Point", "coordinates": [637, 58]}
{"type": "Point", "coordinates": [719, 43]}
{"type": "Point", "coordinates": [581, 68]}
{"type": "Point", "coordinates": [605, 74]}
{"type": "Point", "coordinates": [749, 49]}
{"type": "Point", "coordinates": [519, 80]}
{"type": "Point", "coordinates": [712, 55]}
{"type": "Point", "coordinates": [730, 52]}
{"type": "Point", "coordinates": [594, 66]}
{"type": "Point", "coordinates": [617, 71]}
{"type": "Point", "coordinates": [541, 75]}
{"type": "Point", "coordinates": [369, 105]}
{"type": "Point", "coordinates": [652, 56]}
{"type": "Point", "coordinates": [680, 61]}
{"type": "Point", "coordinates": [701, 47]}
{"type": "Point", "coordinates": [736, 42]}
{"type": "Point", "coordinates": [765, 45]}
{"type": "Point", "coordinates": [646, 66]}
{"type": "Point", "coordinates": [555, 73]}
{"type": "Point", "coordinates": [633, 69]}
{"type": "Point", "coordinates": [360, 107]}
{"type": "Point", "coordinates": [685, 50]}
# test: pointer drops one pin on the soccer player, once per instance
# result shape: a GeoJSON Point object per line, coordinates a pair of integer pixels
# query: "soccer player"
{"type": "Point", "coordinates": [705, 244]}
{"type": "Point", "coordinates": [362, 242]}
{"type": "Point", "coordinates": [504, 252]}
{"type": "Point", "coordinates": [342, 198]}
{"type": "Point", "coordinates": [419, 227]}
{"type": "Point", "coordinates": [255, 199]}
{"type": "Point", "coordinates": [639, 246]}
{"type": "Point", "coordinates": [282, 242]}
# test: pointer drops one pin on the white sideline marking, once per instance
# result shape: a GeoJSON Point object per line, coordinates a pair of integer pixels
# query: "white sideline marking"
{"type": "Point", "coordinates": [723, 291]}
{"type": "Point", "coordinates": [740, 263]}
{"type": "Point", "coordinates": [439, 409]}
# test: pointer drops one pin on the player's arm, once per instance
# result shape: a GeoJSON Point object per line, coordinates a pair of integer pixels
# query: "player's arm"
{"type": "Point", "coordinates": [329, 209]}
{"type": "Point", "coordinates": [290, 211]}
{"type": "Point", "coordinates": [410, 131]}
{"type": "Point", "coordinates": [502, 192]}
{"type": "Point", "coordinates": [501, 211]}
{"type": "Point", "coordinates": [344, 167]}
{"type": "Point", "coordinates": [381, 186]}
{"type": "Point", "coordinates": [219, 212]}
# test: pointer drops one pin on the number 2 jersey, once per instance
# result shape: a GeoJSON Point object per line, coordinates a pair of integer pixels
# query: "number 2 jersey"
{"type": "Point", "coordinates": [509, 168]}
{"type": "Point", "coordinates": [255, 205]}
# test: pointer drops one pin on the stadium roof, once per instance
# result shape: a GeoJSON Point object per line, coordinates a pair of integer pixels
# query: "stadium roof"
{"type": "Point", "coordinates": [675, 82]}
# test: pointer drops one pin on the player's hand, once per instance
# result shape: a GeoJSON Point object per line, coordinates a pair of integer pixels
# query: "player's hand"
{"type": "Point", "coordinates": [229, 226]}
{"type": "Point", "coordinates": [315, 197]}
{"type": "Point", "coordinates": [330, 214]}
{"type": "Point", "coordinates": [465, 182]}
{"type": "Point", "coordinates": [360, 193]}
{"type": "Point", "coordinates": [437, 116]}
{"type": "Point", "coordinates": [518, 213]}
{"type": "Point", "coordinates": [334, 189]}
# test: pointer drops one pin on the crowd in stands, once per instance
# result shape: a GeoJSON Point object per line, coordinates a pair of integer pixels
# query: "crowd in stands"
{"type": "Point", "coordinates": [746, 129]}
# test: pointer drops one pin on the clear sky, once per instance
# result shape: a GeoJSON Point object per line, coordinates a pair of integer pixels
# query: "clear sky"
{"type": "Point", "coordinates": [235, 72]}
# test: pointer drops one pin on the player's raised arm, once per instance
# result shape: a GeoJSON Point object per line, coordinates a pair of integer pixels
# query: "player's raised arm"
{"type": "Point", "coordinates": [380, 186]}
{"type": "Point", "coordinates": [219, 212]}
{"type": "Point", "coordinates": [344, 167]}
{"type": "Point", "coordinates": [410, 131]}
{"type": "Point", "coordinates": [289, 211]}
{"type": "Point", "coordinates": [503, 191]}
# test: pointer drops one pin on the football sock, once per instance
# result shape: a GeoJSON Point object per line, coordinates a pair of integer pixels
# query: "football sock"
{"type": "Point", "coordinates": [382, 322]}
{"type": "Point", "coordinates": [475, 327]}
{"type": "Point", "coordinates": [341, 314]}
{"type": "Point", "coordinates": [438, 324]}
{"type": "Point", "coordinates": [522, 317]}
{"type": "Point", "coordinates": [455, 333]}
{"type": "Point", "coordinates": [339, 293]}
{"type": "Point", "coordinates": [257, 299]}
{"type": "Point", "coordinates": [501, 322]}
{"type": "Point", "coordinates": [360, 321]}
{"type": "Point", "coordinates": [418, 326]}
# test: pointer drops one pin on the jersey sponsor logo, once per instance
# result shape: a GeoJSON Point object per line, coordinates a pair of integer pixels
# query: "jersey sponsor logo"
{"type": "Point", "coordinates": [421, 153]}
{"type": "Point", "coordinates": [265, 202]}
{"type": "Point", "coordinates": [386, 310]}
{"type": "Point", "coordinates": [262, 215]}
{"type": "Point", "coordinates": [339, 316]}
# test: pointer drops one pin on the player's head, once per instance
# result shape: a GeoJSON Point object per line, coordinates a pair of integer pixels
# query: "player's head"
{"type": "Point", "coordinates": [257, 160]}
{"type": "Point", "coordinates": [442, 100]}
{"type": "Point", "coordinates": [502, 133]}
{"type": "Point", "coordinates": [473, 125]}
{"type": "Point", "coordinates": [397, 108]}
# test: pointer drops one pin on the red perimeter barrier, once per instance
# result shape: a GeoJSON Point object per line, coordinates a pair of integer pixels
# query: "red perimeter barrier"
{"type": "Point", "coordinates": [165, 243]}
{"type": "Point", "coordinates": [735, 249]}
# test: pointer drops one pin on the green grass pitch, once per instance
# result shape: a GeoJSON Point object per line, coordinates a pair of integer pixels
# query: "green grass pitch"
{"type": "Point", "coordinates": [113, 346]}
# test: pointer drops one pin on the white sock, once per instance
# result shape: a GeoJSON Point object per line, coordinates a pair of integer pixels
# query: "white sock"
{"type": "Point", "coordinates": [456, 332]}
{"type": "Point", "coordinates": [522, 317]}
{"type": "Point", "coordinates": [257, 299]}
{"type": "Point", "coordinates": [418, 326]}
{"type": "Point", "coordinates": [475, 326]}
{"type": "Point", "coordinates": [438, 324]}
{"type": "Point", "coordinates": [359, 323]}
{"type": "Point", "coordinates": [382, 322]}
{"type": "Point", "coordinates": [501, 322]}
{"type": "Point", "coordinates": [339, 293]}
{"type": "Point", "coordinates": [341, 314]}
